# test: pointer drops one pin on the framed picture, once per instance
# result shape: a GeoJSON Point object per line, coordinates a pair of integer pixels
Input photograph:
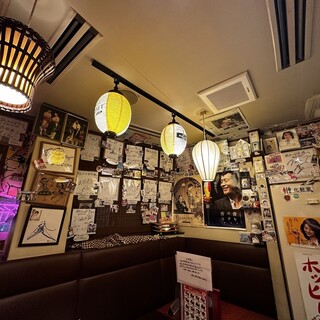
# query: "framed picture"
{"type": "Point", "coordinates": [42, 227]}
{"type": "Point", "coordinates": [254, 139]}
{"type": "Point", "coordinates": [254, 136]}
{"type": "Point", "coordinates": [75, 131]}
{"type": "Point", "coordinates": [288, 140]}
{"type": "Point", "coordinates": [227, 122]}
{"type": "Point", "coordinates": [270, 145]}
{"type": "Point", "coordinates": [51, 189]}
{"type": "Point", "coordinates": [49, 122]}
{"type": "Point", "coordinates": [57, 158]}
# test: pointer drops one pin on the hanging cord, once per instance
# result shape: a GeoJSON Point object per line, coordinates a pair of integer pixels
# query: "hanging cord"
{"type": "Point", "coordinates": [31, 13]}
{"type": "Point", "coordinates": [204, 131]}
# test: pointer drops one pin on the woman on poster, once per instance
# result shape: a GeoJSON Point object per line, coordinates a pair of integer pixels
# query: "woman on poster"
{"type": "Point", "coordinates": [310, 228]}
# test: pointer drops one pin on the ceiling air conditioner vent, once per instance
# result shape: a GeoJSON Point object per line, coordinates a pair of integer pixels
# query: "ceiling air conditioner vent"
{"type": "Point", "coordinates": [229, 94]}
{"type": "Point", "coordinates": [70, 40]}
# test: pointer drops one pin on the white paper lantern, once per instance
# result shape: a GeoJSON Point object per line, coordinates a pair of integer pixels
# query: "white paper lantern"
{"type": "Point", "coordinates": [206, 156]}
{"type": "Point", "coordinates": [173, 139]}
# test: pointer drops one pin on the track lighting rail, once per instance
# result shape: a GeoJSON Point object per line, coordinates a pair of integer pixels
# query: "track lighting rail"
{"type": "Point", "coordinates": [130, 85]}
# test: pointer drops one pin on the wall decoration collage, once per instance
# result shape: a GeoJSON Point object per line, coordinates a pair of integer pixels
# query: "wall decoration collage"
{"type": "Point", "coordinates": [123, 183]}
{"type": "Point", "coordinates": [53, 181]}
{"type": "Point", "coordinates": [15, 146]}
{"type": "Point", "coordinates": [136, 184]}
{"type": "Point", "coordinates": [239, 198]}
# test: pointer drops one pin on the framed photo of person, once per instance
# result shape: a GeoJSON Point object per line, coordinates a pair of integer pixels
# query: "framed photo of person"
{"type": "Point", "coordinates": [288, 140]}
{"type": "Point", "coordinates": [75, 131]}
{"type": "Point", "coordinates": [57, 158]}
{"type": "Point", "coordinates": [270, 145]}
{"type": "Point", "coordinates": [51, 189]}
{"type": "Point", "coordinates": [43, 226]}
{"type": "Point", "coordinates": [49, 122]}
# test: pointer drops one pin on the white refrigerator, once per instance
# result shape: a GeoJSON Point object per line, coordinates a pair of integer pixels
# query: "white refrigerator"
{"type": "Point", "coordinates": [292, 204]}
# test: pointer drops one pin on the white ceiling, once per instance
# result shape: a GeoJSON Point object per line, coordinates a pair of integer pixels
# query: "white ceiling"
{"type": "Point", "coordinates": [173, 49]}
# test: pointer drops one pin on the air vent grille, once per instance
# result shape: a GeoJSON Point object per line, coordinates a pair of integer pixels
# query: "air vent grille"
{"type": "Point", "coordinates": [71, 38]}
{"type": "Point", "coordinates": [229, 94]}
{"type": "Point", "coordinates": [291, 30]}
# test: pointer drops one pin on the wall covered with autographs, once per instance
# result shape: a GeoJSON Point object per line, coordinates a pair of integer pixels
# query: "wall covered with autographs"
{"type": "Point", "coordinates": [120, 188]}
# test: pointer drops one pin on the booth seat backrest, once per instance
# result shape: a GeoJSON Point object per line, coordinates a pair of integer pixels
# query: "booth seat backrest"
{"type": "Point", "coordinates": [127, 282]}
{"type": "Point", "coordinates": [42, 288]}
{"type": "Point", "coordinates": [240, 271]}
{"type": "Point", "coordinates": [124, 283]}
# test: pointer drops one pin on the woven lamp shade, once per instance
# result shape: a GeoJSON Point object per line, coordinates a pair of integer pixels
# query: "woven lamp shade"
{"type": "Point", "coordinates": [112, 113]}
{"type": "Point", "coordinates": [26, 61]}
{"type": "Point", "coordinates": [206, 157]}
{"type": "Point", "coordinates": [173, 139]}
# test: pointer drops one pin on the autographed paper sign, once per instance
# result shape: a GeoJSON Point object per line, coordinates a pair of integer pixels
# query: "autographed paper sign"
{"type": "Point", "coordinates": [194, 270]}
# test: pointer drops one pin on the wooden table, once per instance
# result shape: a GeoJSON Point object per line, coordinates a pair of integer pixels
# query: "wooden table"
{"type": "Point", "coordinates": [229, 311]}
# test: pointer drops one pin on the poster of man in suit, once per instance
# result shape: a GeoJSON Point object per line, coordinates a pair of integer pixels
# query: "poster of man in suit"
{"type": "Point", "coordinates": [225, 206]}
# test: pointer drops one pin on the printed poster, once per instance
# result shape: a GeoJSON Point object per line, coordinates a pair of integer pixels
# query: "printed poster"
{"type": "Point", "coordinates": [195, 303]}
{"type": "Point", "coordinates": [303, 231]}
{"type": "Point", "coordinates": [188, 204]}
{"type": "Point", "coordinates": [308, 268]}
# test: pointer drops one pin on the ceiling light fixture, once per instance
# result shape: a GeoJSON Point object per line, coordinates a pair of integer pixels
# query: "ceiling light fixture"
{"type": "Point", "coordinates": [206, 156]}
{"type": "Point", "coordinates": [112, 113]}
{"type": "Point", "coordinates": [173, 138]}
{"type": "Point", "coordinates": [26, 61]}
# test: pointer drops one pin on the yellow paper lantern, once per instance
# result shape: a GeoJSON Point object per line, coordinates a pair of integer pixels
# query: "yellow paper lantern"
{"type": "Point", "coordinates": [26, 61]}
{"type": "Point", "coordinates": [112, 113]}
{"type": "Point", "coordinates": [173, 139]}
